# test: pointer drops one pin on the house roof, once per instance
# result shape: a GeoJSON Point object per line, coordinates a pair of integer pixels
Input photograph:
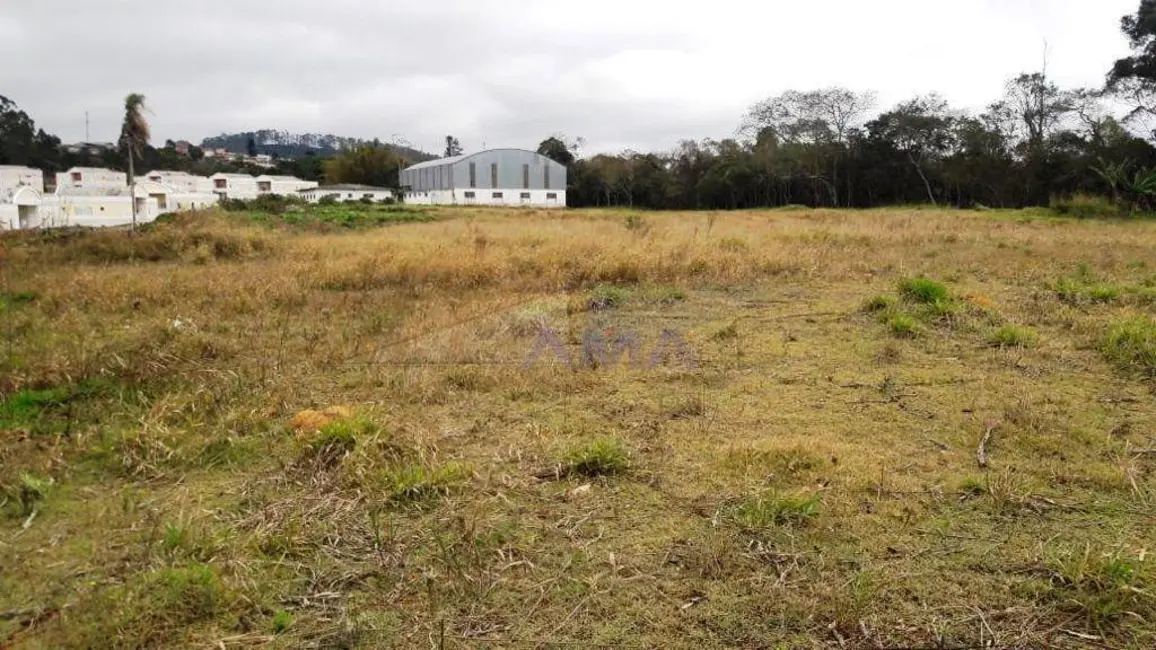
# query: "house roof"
{"type": "Point", "coordinates": [349, 187]}
{"type": "Point", "coordinates": [19, 167]}
{"type": "Point", "coordinates": [67, 190]}
{"type": "Point", "coordinates": [224, 175]}
{"type": "Point", "coordinates": [457, 159]}
{"type": "Point", "coordinates": [172, 174]}
{"type": "Point", "coordinates": [94, 169]}
{"type": "Point", "coordinates": [439, 162]}
{"type": "Point", "coordinates": [282, 178]}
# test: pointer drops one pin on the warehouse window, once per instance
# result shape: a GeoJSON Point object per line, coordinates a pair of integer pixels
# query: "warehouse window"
{"type": "Point", "coordinates": [469, 195]}
{"type": "Point", "coordinates": [551, 196]}
{"type": "Point", "coordinates": [496, 195]}
{"type": "Point", "coordinates": [493, 174]}
{"type": "Point", "coordinates": [525, 177]}
{"type": "Point", "coordinates": [526, 195]}
{"type": "Point", "coordinates": [546, 176]}
{"type": "Point", "coordinates": [473, 174]}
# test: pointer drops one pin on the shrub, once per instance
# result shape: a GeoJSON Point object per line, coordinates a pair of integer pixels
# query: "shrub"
{"type": "Point", "coordinates": [602, 457]}
{"type": "Point", "coordinates": [1131, 345]}
{"type": "Point", "coordinates": [1085, 206]}
{"type": "Point", "coordinates": [923, 290]}
{"type": "Point", "coordinates": [771, 509]}
{"type": "Point", "coordinates": [328, 199]}
{"type": "Point", "coordinates": [903, 325]}
{"type": "Point", "coordinates": [1011, 336]}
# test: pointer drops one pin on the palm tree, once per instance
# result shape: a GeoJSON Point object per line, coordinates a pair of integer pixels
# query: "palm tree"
{"type": "Point", "coordinates": [134, 135]}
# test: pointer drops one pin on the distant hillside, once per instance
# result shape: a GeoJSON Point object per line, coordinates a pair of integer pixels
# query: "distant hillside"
{"type": "Point", "coordinates": [296, 145]}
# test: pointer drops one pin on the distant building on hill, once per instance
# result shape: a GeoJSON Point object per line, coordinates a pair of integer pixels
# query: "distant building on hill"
{"type": "Point", "coordinates": [513, 177]}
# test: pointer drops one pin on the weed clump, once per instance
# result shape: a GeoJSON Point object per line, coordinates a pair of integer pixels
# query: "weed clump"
{"type": "Point", "coordinates": [1012, 336]}
{"type": "Point", "coordinates": [1131, 345]}
{"type": "Point", "coordinates": [420, 483]}
{"type": "Point", "coordinates": [768, 510]}
{"type": "Point", "coordinates": [923, 290]}
{"type": "Point", "coordinates": [602, 457]}
{"type": "Point", "coordinates": [336, 440]}
{"type": "Point", "coordinates": [904, 325]}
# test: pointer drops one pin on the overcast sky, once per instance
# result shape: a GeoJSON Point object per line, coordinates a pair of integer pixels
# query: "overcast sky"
{"type": "Point", "coordinates": [639, 74]}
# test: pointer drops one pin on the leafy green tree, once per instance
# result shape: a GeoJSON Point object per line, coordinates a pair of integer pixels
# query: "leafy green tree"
{"type": "Point", "coordinates": [365, 165]}
{"type": "Point", "coordinates": [556, 149]}
{"type": "Point", "coordinates": [21, 143]}
{"type": "Point", "coordinates": [251, 147]}
{"type": "Point", "coordinates": [1134, 77]}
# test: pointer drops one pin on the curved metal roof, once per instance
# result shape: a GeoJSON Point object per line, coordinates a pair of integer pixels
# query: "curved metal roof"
{"type": "Point", "coordinates": [452, 160]}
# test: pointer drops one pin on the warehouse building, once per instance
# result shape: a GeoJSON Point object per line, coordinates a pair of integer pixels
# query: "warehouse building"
{"type": "Point", "coordinates": [495, 177]}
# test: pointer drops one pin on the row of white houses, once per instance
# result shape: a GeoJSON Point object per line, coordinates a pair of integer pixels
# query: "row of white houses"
{"type": "Point", "coordinates": [94, 197]}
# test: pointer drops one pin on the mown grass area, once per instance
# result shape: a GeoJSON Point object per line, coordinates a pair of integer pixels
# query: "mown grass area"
{"type": "Point", "coordinates": [581, 428]}
{"type": "Point", "coordinates": [328, 217]}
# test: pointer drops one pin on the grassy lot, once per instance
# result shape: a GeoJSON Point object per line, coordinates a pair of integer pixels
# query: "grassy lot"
{"type": "Point", "coordinates": [537, 429]}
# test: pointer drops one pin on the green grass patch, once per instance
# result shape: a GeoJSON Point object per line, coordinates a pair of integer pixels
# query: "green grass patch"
{"type": "Point", "coordinates": [11, 299]}
{"type": "Point", "coordinates": [904, 325]}
{"type": "Point", "coordinates": [770, 510]}
{"type": "Point", "coordinates": [1012, 336]}
{"type": "Point", "coordinates": [419, 483]}
{"type": "Point", "coordinates": [602, 457]}
{"type": "Point", "coordinates": [39, 408]}
{"type": "Point", "coordinates": [923, 290]}
{"type": "Point", "coordinates": [1131, 345]}
{"type": "Point", "coordinates": [606, 296]}
{"type": "Point", "coordinates": [329, 216]}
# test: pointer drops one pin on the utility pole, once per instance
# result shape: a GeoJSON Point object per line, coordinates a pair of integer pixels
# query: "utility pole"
{"type": "Point", "coordinates": [87, 137]}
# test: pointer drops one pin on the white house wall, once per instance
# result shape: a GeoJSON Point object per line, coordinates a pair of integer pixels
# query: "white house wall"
{"type": "Point", "coordinates": [13, 178]}
{"type": "Point", "coordinates": [9, 217]}
{"type": "Point", "coordinates": [92, 177]}
{"type": "Point", "coordinates": [345, 196]}
{"type": "Point", "coordinates": [93, 211]}
{"type": "Point", "coordinates": [508, 198]}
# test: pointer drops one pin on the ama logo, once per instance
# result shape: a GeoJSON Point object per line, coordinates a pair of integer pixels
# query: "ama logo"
{"type": "Point", "coordinates": [609, 347]}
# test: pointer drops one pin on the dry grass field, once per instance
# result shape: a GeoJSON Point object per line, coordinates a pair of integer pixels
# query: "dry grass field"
{"type": "Point", "coordinates": [582, 429]}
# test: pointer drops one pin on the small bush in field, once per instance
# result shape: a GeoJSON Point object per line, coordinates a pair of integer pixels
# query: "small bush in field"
{"type": "Point", "coordinates": [602, 457]}
{"type": "Point", "coordinates": [903, 325]}
{"type": "Point", "coordinates": [1085, 206]}
{"type": "Point", "coordinates": [1131, 345]}
{"type": "Point", "coordinates": [1012, 336]}
{"type": "Point", "coordinates": [923, 290]}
